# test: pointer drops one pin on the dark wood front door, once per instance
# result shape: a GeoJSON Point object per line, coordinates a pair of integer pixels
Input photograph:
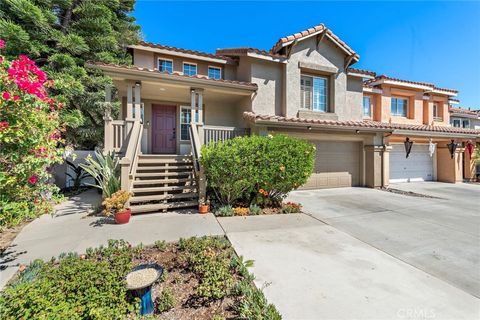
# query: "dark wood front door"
{"type": "Point", "coordinates": [164, 122]}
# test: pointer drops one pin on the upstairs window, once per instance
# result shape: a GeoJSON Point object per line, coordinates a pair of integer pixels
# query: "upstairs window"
{"type": "Point", "coordinates": [165, 65]}
{"type": "Point", "coordinates": [215, 73]}
{"type": "Point", "coordinates": [189, 69]}
{"type": "Point", "coordinates": [314, 93]}
{"type": "Point", "coordinates": [399, 107]}
{"type": "Point", "coordinates": [367, 107]}
{"type": "Point", "coordinates": [456, 123]}
{"type": "Point", "coordinates": [466, 123]}
{"type": "Point", "coordinates": [435, 110]}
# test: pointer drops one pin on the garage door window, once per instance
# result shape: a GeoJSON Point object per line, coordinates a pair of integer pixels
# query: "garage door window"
{"type": "Point", "coordinates": [399, 107]}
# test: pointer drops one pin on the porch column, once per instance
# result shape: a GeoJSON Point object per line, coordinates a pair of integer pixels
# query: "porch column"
{"type": "Point", "coordinates": [108, 126]}
{"type": "Point", "coordinates": [448, 169]}
{"type": "Point", "coordinates": [193, 97]}
{"type": "Point", "coordinates": [201, 133]}
{"type": "Point", "coordinates": [129, 116]}
{"type": "Point", "coordinates": [386, 165]}
{"type": "Point", "coordinates": [469, 166]}
{"type": "Point", "coordinates": [138, 104]}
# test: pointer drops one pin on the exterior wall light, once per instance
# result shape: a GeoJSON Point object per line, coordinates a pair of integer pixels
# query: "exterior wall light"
{"type": "Point", "coordinates": [408, 146]}
{"type": "Point", "coordinates": [470, 147]}
{"type": "Point", "coordinates": [452, 146]}
{"type": "Point", "coordinates": [309, 128]}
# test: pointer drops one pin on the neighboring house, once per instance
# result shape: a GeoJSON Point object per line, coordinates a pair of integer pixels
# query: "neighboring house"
{"type": "Point", "coordinates": [174, 100]}
{"type": "Point", "coordinates": [465, 118]}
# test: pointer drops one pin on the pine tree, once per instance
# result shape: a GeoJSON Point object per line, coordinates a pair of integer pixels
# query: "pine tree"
{"type": "Point", "coordinates": [61, 35]}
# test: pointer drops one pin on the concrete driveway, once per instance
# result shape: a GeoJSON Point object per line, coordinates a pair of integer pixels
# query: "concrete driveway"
{"type": "Point", "coordinates": [369, 254]}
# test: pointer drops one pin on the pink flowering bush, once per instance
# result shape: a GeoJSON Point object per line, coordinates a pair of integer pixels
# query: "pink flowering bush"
{"type": "Point", "coordinates": [30, 135]}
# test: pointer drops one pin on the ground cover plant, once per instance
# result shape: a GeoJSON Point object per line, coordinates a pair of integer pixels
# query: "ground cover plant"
{"type": "Point", "coordinates": [267, 168]}
{"type": "Point", "coordinates": [202, 279]}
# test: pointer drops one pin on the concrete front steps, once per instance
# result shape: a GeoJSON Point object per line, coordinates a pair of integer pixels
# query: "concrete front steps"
{"type": "Point", "coordinates": [163, 182]}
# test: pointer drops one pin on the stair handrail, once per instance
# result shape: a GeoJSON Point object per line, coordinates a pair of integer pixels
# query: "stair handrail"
{"type": "Point", "coordinates": [196, 154]}
{"type": "Point", "coordinates": [129, 162]}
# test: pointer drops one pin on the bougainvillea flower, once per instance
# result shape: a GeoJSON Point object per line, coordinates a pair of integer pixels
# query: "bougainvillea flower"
{"type": "Point", "coordinates": [6, 95]}
{"type": "Point", "coordinates": [2, 44]}
{"type": "Point", "coordinates": [33, 179]}
{"type": "Point", "coordinates": [16, 98]}
{"type": "Point", "coordinates": [3, 125]}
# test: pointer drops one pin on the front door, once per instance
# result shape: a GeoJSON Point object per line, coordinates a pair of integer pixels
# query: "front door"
{"type": "Point", "coordinates": [164, 119]}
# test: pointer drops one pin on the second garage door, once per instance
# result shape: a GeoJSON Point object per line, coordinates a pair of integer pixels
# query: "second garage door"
{"type": "Point", "coordinates": [417, 167]}
{"type": "Point", "coordinates": [337, 164]}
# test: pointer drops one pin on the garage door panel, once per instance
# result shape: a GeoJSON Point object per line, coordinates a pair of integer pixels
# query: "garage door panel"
{"type": "Point", "coordinates": [337, 164]}
{"type": "Point", "coordinates": [417, 167]}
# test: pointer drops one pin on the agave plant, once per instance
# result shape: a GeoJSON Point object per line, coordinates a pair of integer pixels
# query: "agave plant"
{"type": "Point", "coordinates": [104, 169]}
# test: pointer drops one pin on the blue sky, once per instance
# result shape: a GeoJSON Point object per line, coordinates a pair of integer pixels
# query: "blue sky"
{"type": "Point", "coordinates": [436, 42]}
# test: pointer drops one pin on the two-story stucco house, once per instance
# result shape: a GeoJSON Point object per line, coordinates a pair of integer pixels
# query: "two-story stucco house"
{"type": "Point", "coordinates": [465, 118]}
{"type": "Point", "coordinates": [174, 100]}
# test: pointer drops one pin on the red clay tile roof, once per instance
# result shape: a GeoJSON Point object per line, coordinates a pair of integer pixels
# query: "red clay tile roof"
{"type": "Point", "coordinates": [302, 34]}
{"type": "Point", "coordinates": [360, 124]}
{"type": "Point", "coordinates": [365, 72]}
{"type": "Point", "coordinates": [465, 111]}
{"type": "Point", "coordinates": [174, 74]}
{"type": "Point", "coordinates": [193, 52]}
{"type": "Point", "coordinates": [244, 51]}
{"type": "Point", "coordinates": [384, 77]}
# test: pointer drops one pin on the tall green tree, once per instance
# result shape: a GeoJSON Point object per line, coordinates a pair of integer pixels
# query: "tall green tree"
{"type": "Point", "coordinates": [61, 35]}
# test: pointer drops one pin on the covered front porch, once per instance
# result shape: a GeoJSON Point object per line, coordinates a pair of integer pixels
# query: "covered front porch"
{"type": "Point", "coordinates": [165, 105]}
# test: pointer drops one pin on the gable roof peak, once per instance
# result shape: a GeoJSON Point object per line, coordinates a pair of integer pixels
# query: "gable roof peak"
{"type": "Point", "coordinates": [310, 32]}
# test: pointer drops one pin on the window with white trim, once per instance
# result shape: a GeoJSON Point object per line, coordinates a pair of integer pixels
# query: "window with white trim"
{"type": "Point", "coordinates": [456, 123]}
{"type": "Point", "coordinates": [435, 110]}
{"type": "Point", "coordinates": [399, 107]}
{"type": "Point", "coordinates": [466, 123]}
{"type": "Point", "coordinates": [165, 65]}
{"type": "Point", "coordinates": [314, 93]}
{"type": "Point", "coordinates": [189, 69]}
{"type": "Point", "coordinates": [367, 106]}
{"type": "Point", "coordinates": [185, 117]}
{"type": "Point", "coordinates": [215, 73]}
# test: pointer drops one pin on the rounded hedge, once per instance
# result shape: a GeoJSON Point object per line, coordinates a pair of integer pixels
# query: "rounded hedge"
{"type": "Point", "coordinates": [257, 169]}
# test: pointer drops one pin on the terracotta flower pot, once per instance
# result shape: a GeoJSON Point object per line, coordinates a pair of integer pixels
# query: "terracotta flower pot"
{"type": "Point", "coordinates": [203, 208]}
{"type": "Point", "coordinates": [123, 217]}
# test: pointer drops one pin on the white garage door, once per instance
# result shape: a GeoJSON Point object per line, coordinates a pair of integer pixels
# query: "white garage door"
{"type": "Point", "coordinates": [417, 167]}
{"type": "Point", "coordinates": [337, 164]}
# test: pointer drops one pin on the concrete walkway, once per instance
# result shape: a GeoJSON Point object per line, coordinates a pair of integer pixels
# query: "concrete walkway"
{"type": "Point", "coordinates": [311, 270]}
{"type": "Point", "coordinates": [71, 230]}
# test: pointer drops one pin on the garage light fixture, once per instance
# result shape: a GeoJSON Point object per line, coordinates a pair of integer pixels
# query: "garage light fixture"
{"type": "Point", "coordinates": [452, 146]}
{"type": "Point", "coordinates": [408, 146]}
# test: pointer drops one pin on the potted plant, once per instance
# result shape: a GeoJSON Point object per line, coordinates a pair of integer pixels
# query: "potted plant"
{"type": "Point", "coordinates": [116, 205]}
{"type": "Point", "coordinates": [203, 206]}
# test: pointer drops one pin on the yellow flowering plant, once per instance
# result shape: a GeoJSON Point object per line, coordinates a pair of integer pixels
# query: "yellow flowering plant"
{"type": "Point", "coordinates": [116, 202]}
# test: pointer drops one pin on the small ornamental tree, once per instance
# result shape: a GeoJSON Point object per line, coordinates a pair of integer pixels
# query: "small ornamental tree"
{"type": "Point", "coordinates": [30, 132]}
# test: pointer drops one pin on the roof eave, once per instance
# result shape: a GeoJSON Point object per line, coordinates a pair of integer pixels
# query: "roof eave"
{"type": "Point", "coordinates": [146, 75]}
{"type": "Point", "coordinates": [182, 54]}
{"type": "Point", "coordinates": [435, 134]}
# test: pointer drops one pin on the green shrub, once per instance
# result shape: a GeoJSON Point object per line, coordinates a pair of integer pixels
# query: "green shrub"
{"type": "Point", "coordinates": [161, 245]}
{"type": "Point", "coordinates": [254, 306]}
{"type": "Point", "coordinates": [166, 300]}
{"type": "Point", "coordinates": [225, 211]}
{"type": "Point", "coordinates": [255, 210]}
{"type": "Point", "coordinates": [74, 288]}
{"type": "Point", "coordinates": [209, 258]}
{"type": "Point", "coordinates": [12, 213]}
{"type": "Point", "coordinates": [237, 169]}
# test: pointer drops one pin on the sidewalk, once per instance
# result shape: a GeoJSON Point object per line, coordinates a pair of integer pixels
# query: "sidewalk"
{"type": "Point", "coordinates": [70, 229]}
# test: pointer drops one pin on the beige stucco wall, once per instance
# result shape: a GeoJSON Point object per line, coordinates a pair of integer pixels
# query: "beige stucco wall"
{"type": "Point", "coordinates": [144, 59]}
{"type": "Point", "coordinates": [269, 79]}
{"type": "Point", "coordinates": [326, 56]}
{"type": "Point", "coordinates": [448, 169]}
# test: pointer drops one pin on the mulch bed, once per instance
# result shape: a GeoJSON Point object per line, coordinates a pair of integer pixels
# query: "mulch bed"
{"type": "Point", "coordinates": [8, 235]}
{"type": "Point", "coordinates": [183, 284]}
